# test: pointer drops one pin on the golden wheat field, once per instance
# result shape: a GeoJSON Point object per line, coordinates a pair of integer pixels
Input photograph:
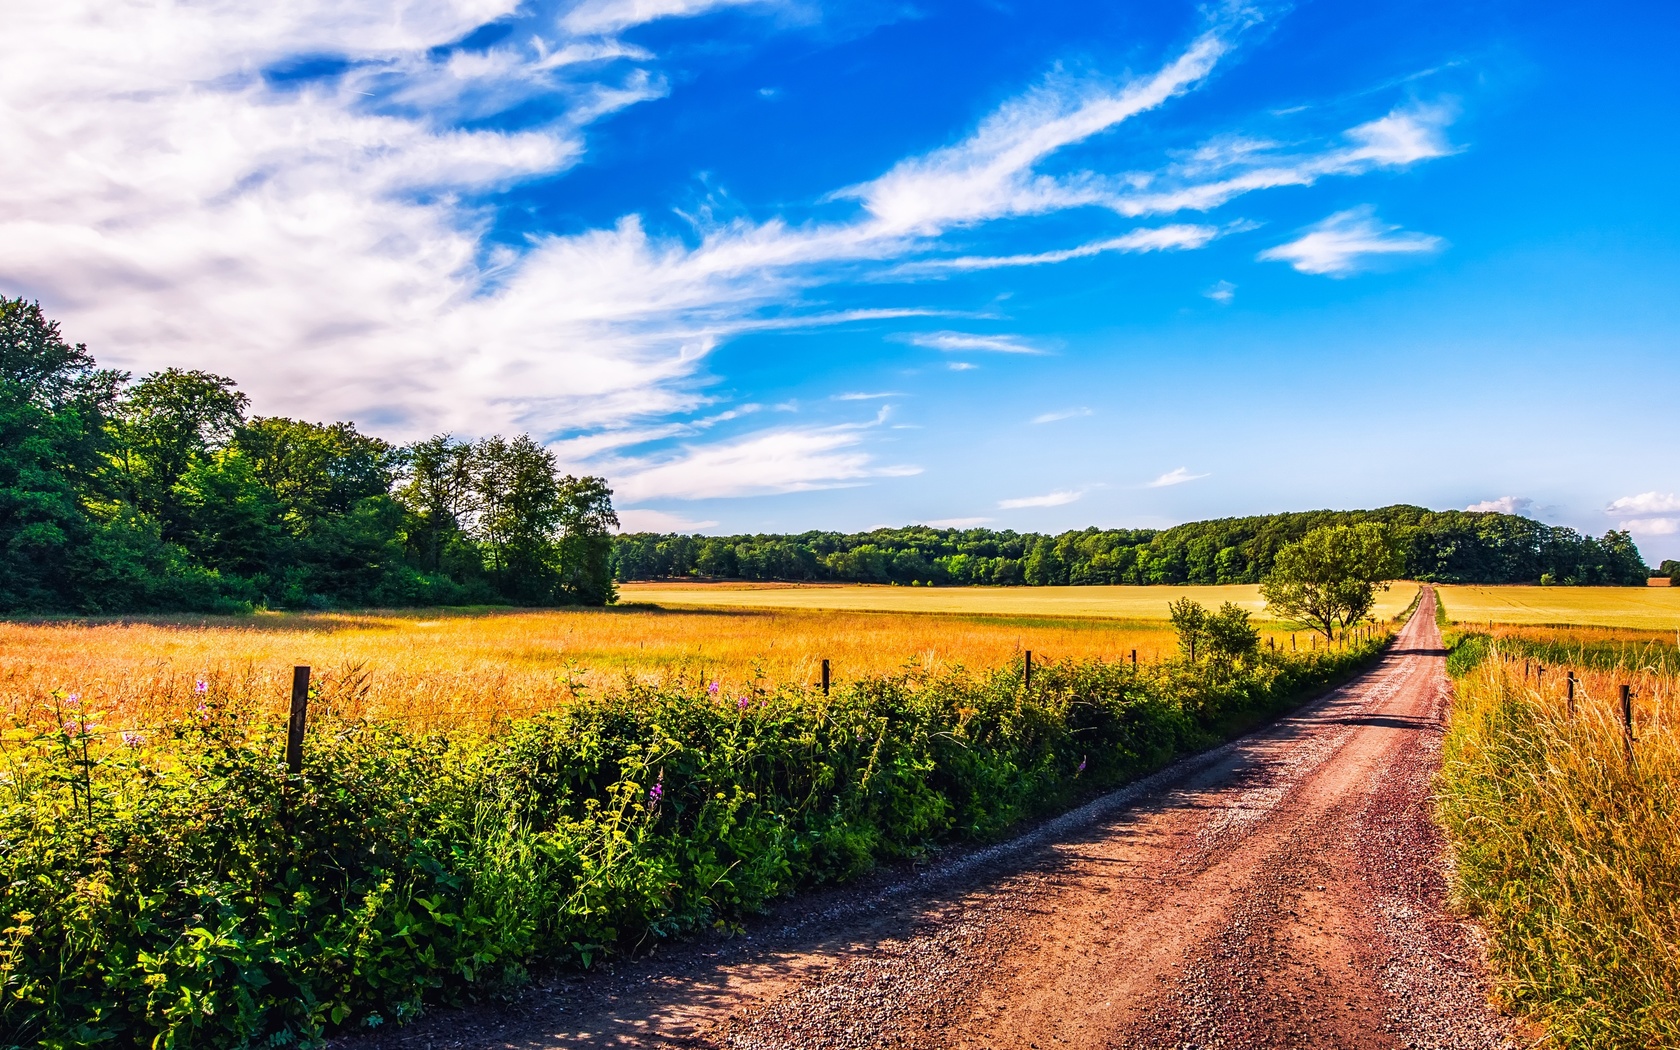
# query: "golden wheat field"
{"type": "Point", "coordinates": [1126, 603]}
{"type": "Point", "coordinates": [454, 668]}
{"type": "Point", "coordinates": [1651, 608]}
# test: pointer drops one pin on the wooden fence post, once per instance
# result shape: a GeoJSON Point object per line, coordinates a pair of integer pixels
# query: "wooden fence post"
{"type": "Point", "coordinates": [1569, 691]}
{"type": "Point", "coordinates": [1627, 722]}
{"type": "Point", "coordinates": [1134, 659]}
{"type": "Point", "coordinates": [825, 677]}
{"type": "Point", "coordinates": [300, 717]}
{"type": "Point", "coordinates": [1028, 669]}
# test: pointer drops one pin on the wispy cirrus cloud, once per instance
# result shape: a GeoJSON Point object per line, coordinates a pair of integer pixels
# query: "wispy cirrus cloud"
{"type": "Point", "coordinates": [612, 16]}
{"type": "Point", "coordinates": [1058, 498]}
{"type": "Point", "coordinates": [1176, 476]}
{"type": "Point", "coordinates": [1066, 413]}
{"type": "Point", "coordinates": [1164, 238]}
{"type": "Point", "coordinates": [1347, 241]}
{"type": "Point", "coordinates": [863, 396]}
{"type": "Point", "coordinates": [643, 520]}
{"type": "Point", "coordinates": [967, 341]}
{"type": "Point", "coordinates": [329, 234]}
{"type": "Point", "coordinates": [766, 462]}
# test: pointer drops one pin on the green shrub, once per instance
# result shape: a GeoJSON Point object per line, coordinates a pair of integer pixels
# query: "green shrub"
{"type": "Point", "coordinates": [182, 890]}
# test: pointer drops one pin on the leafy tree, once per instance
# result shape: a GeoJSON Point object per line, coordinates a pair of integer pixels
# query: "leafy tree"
{"type": "Point", "coordinates": [1331, 576]}
{"type": "Point", "coordinates": [587, 523]}
{"type": "Point", "coordinates": [167, 423]}
{"type": "Point", "coordinates": [53, 404]}
{"type": "Point", "coordinates": [1190, 619]}
{"type": "Point", "coordinates": [1671, 569]}
{"type": "Point", "coordinates": [438, 494]}
{"type": "Point", "coordinates": [518, 515]}
{"type": "Point", "coordinates": [1232, 635]}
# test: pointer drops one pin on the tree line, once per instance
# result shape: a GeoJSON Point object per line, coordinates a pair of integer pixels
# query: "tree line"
{"type": "Point", "coordinates": [1437, 546]}
{"type": "Point", "coordinates": [164, 493]}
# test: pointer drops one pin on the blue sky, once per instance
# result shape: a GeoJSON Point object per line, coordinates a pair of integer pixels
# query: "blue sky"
{"type": "Point", "coordinates": [789, 264]}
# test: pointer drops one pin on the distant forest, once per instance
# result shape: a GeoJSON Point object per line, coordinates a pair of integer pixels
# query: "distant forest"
{"type": "Point", "coordinates": [1442, 546]}
{"type": "Point", "coordinates": [164, 494]}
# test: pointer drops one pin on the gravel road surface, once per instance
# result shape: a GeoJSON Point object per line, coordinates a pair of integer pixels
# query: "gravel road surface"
{"type": "Point", "coordinates": [1285, 890]}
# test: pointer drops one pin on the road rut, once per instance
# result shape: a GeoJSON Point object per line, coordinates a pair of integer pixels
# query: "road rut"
{"type": "Point", "coordinates": [1285, 890]}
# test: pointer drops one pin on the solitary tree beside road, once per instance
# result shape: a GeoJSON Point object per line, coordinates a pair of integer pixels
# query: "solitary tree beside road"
{"type": "Point", "coordinates": [1330, 578]}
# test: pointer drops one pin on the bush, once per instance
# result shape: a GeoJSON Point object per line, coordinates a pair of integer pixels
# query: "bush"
{"type": "Point", "coordinates": [180, 889]}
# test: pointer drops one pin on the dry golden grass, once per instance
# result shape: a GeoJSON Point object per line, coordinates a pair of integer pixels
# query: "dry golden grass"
{"type": "Point", "coordinates": [1565, 843]}
{"type": "Point", "coordinates": [1125, 603]}
{"type": "Point", "coordinates": [457, 669]}
{"type": "Point", "coordinates": [1651, 608]}
{"type": "Point", "coordinates": [472, 668]}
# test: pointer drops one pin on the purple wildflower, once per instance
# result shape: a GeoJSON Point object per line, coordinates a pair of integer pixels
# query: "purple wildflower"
{"type": "Point", "coordinates": [202, 686]}
{"type": "Point", "coordinates": [1081, 768]}
{"type": "Point", "coordinates": [713, 688]}
{"type": "Point", "coordinates": [132, 739]}
{"type": "Point", "coordinates": [743, 702]}
{"type": "Point", "coordinates": [73, 698]}
{"type": "Point", "coordinates": [655, 793]}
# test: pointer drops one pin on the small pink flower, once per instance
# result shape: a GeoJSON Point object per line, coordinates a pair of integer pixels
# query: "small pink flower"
{"type": "Point", "coordinates": [202, 686]}
{"type": "Point", "coordinates": [132, 739]}
{"type": "Point", "coordinates": [713, 688]}
{"type": "Point", "coordinates": [743, 702]}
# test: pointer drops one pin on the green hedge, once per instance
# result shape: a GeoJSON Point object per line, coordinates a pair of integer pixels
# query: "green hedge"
{"type": "Point", "coordinates": [182, 891]}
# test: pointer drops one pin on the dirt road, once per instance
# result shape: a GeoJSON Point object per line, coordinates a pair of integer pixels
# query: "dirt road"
{"type": "Point", "coordinates": [1285, 890]}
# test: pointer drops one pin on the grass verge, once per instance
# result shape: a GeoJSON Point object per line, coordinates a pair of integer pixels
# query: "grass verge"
{"type": "Point", "coordinates": [1565, 847]}
{"type": "Point", "coordinates": [183, 890]}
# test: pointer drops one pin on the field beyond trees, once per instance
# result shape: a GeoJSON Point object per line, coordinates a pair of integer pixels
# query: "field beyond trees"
{"type": "Point", "coordinates": [1650, 608]}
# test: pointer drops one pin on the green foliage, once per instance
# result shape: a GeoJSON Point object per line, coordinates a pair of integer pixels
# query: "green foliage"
{"type": "Point", "coordinates": [1440, 546]}
{"type": "Point", "coordinates": [1671, 569]}
{"type": "Point", "coordinates": [162, 495]}
{"type": "Point", "coordinates": [1330, 577]}
{"type": "Point", "coordinates": [180, 890]}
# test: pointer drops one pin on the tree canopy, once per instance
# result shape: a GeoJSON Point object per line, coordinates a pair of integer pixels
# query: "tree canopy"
{"type": "Point", "coordinates": [162, 493]}
{"type": "Point", "coordinates": [1330, 577]}
{"type": "Point", "coordinates": [1439, 546]}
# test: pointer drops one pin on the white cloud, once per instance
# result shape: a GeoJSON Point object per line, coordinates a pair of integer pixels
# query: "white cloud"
{"type": "Point", "coordinates": [1521, 505]}
{"type": "Point", "coordinates": [763, 463]}
{"type": "Point", "coordinates": [961, 366]}
{"type": "Point", "coordinates": [1055, 417]}
{"type": "Point", "coordinates": [326, 240]}
{"type": "Point", "coordinates": [633, 520]}
{"type": "Point", "coordinates": [1163, 238]}
{"type": "Point", "coordinates": [954, 341]}
{"type": "Point", "coordinates": [1652, 502]}
{"type": "Point", "coordinates": [866, 396]}
{"type": "Point", "coordinates": [1647, 513]}
{"type": "Point", "coordinates": [1050, 499]}
{"type": "Point", "coordinates": [1176, 476]}
{"type": "Point", "coordinates": [956, 523]}
{"type": "Point", "coordinates": [1652, 526]}
{"type": "Point", "coordinates": [610, 16]}
{"type": "Point", "coordinates": [1345, 241]}
{"type": "Point", "coordinates": [1221, 292]}
{"type": "Point", "coordinates": [990, 174]}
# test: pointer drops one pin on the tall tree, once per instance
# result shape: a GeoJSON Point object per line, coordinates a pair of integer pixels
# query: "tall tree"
{"type": "Point", "coordinates": [167, 423]}
{"type": "Point", "coordinates": [1330, 577]}
{"type": "Point", "coordinates": [438, 494]}
{"type": "Point", "coordinates": [518, 515]}
{"type": "Point", "coordinates": [53, 404]}
{"type": "Point", "coordinates": [587, 524]}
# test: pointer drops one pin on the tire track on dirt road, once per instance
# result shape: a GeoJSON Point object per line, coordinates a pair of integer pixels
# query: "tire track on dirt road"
{"type": "Point", "coordinates": [1284, 890]}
